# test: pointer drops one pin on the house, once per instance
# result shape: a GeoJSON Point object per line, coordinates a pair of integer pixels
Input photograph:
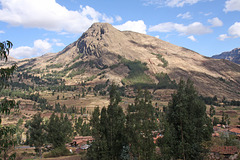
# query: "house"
{"type": "Point", "coordinates": [81, 140]}
{"type": "Point", "coordinates": [224, 152]}
{"type": "Point", "coordinates": [235, 131]}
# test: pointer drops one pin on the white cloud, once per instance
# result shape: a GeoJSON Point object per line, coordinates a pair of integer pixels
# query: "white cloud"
{"type": "Point", "coordinates": [40, 47]}
{"type": "Point", "coordinates": [186, 15]}
{"type": "Point", "coordinates": [162, 27]}
{"type": "Point", "coordinates": [195, 28]}
{"type": "Point", "coordinates": [222, 37]}
{"type": "Point", "coordinates": [107, 19]}
{"type": "Point", "coordinates": [1, 32]}
{"type": "Point", "coordinates": [192, 38]}
{"type": "Point", "coordinates": [232, 5]}
{"type": "Point", "coordinates": [207, 14]}
{"type": "Point", "coordinates": [234, 30]}
{"type": "Point", "coordinates": [172, 3]}
{"type": "Point", "coordinates": [216, 22]}
{"type": "Point", "coordinates": [49, 15]}
{"type": "Point", "coordinates": [118, 18]}
{"type": "Point", "coordinates": [60, 44]}
{"type": "Point", "coordinates": [157, 36]}
{"type": "Point", "coordinates": [136, 26]}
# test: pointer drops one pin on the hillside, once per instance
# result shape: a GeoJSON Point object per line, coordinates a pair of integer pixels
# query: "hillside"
{"type": "Point", "coordinates": [127, 58]}
{"type": "Point", "coordinates": [233, 55]}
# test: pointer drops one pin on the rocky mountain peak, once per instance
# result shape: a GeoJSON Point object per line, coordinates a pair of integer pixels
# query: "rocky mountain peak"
{"type": "Point", "coordinates": [93, 41]}
{"type": "Point", "coordinates": [233, 55]}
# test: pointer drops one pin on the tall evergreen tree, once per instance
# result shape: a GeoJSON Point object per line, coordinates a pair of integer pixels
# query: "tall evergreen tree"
{"type": "Point", "coordinates": [37, 133]}
{"type": "Point", "coordinates": [116, 138]}
{"type": "Point", "coordinates": [108, 130]}
{"type": "Point", "coordinates": [59, 130]}
{"type": "Point", "coordinates": [82, 128]}
{"type": "Point", "coordinates": [188, 125]}
{"type": "Point", "coordinates": [140, 124]}
{"type": "Point", "coordinates": [95, 152]}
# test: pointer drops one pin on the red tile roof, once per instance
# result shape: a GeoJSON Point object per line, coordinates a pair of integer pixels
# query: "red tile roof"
{"type": "Point", "coordinates": [235, 130]}
{"type": "Point", "coordinates": [225, 149]}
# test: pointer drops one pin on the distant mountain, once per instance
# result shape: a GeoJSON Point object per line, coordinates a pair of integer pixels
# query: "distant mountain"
{"type": "Point", "coordinates": [127, 58]}
{"type": "Point", "coordinates": [233, 55]}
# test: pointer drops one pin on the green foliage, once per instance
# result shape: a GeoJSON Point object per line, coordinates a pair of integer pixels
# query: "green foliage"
{"type": "Point", "coordinates": [82, 128]}
{"type": "Point", "coordinates": [138, 80]}
{"type": "Point", "coordinates": [114, 66]}
{"type": "Point", "coordinates": [187, 125]}
{"type": "Point", "coordinates": [75, 65]}
{"type": "Point", "coordinates": [91, 78]}
{"type": "Point", "coordinates": [225, 119]}
{"type": "Point", "coordinates": [162, 59]}
{"type": "Point", "coordinates": [164, 81]}
{"type": "Point", "coordinates": [140, 124]}
{"type": "Point", "coordinates": [4, 49]}
{"type": "Point", "coordinates": [210, 100]}
{"type": "Point", "coordinates": [37, 133]}
{"type": "Point", "coordinates": [76, 72]}
{"type": "Point", "coordinates": [58, 65]}
{"type": "Point", "coordinates": [5, 75]}
{"type": "Point", "coordinates": [19, 130]}
{"type": "Point", "coordinates": [108, 130]}
{"type": "Point", "coordinates": [136, 74]}
{"type": "Point", "coordinates": [7, 140]}
{"type": "Point", "coordinates": [135, 67]}
{"type": "Point", "coordinates": [216, 121]}
{"type": "Point", "coordinates": [212, 111]}
{"type": "Point", "coordinates": [59, 130]}
{"type": "Point", "coordinates": [58, 152]}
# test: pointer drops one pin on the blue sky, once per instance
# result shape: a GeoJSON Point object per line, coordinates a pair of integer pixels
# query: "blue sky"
{"type": "Point", "coordinates": [37, 27]}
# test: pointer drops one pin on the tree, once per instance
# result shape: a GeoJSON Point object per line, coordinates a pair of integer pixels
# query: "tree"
{"type": "Point", "coordinates": [94, 152]}
{"type": "Point", "coordinates": [115, 127]}
{"type": "Point", "coordinates": [212, 111]}
{"type": "Point", "coordinates": [37, 133]}
{"type": "Point", "coordinates": [108, 130]}
{"type": "Point", "coordinates": [140, 124]}
{"type": "Point", "coordinates": [216, 121]}
{"type": "Point", "coordinates": [59, 130]}
{"type": "Point", "coordinates": [82, 128]}
{"type": "Point", "coordinates": [19, 130]}
{"type": "Point", "coordinates": [6, 132]}
{"type": "Point", "coordinates": [187, 125]}
{"type": "Point", "coordinates": [225, 119]}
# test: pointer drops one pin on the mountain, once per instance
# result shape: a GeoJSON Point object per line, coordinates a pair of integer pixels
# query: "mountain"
{"type": "Point", "coordinates": [233, 55]}
{"type": "Point", "coordinates": [104, 53]}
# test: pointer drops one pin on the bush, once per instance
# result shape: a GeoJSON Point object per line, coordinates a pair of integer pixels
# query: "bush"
{"type": "Point", "coordinates": [57, 152]}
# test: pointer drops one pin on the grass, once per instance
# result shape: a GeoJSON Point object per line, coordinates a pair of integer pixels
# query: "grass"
{"type": "Point", "coordinates": [138, 79]}
{"type": "Point", "coordinates": [58, 65]}
{"type": "Point", "coordinates": [136, 73]}
{"type": "Point", "coordinates": [91, 78]}
{"type": "Point", "coordinates": [76, 72]}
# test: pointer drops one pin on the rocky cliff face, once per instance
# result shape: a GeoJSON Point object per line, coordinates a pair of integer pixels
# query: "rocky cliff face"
{"type": "Point", "coordinates": [94, 54]}
{"type": "Point", "coordinates": [233, 55]}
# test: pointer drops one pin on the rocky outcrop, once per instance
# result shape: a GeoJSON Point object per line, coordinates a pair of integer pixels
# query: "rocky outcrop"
{"type": "Point", "coordinates": [233, 55]}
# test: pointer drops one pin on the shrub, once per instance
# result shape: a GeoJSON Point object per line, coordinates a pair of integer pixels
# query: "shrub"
{"type": "Point", "coordinates": [162, 59]}
{"type": "Point", "coordinates": [57, 152]}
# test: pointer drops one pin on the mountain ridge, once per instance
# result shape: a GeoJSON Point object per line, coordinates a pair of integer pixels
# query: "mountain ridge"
{"type": "Point", "coordinates": [101, 54]}
{"type": "Point", "coordinates": [233, 55]}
